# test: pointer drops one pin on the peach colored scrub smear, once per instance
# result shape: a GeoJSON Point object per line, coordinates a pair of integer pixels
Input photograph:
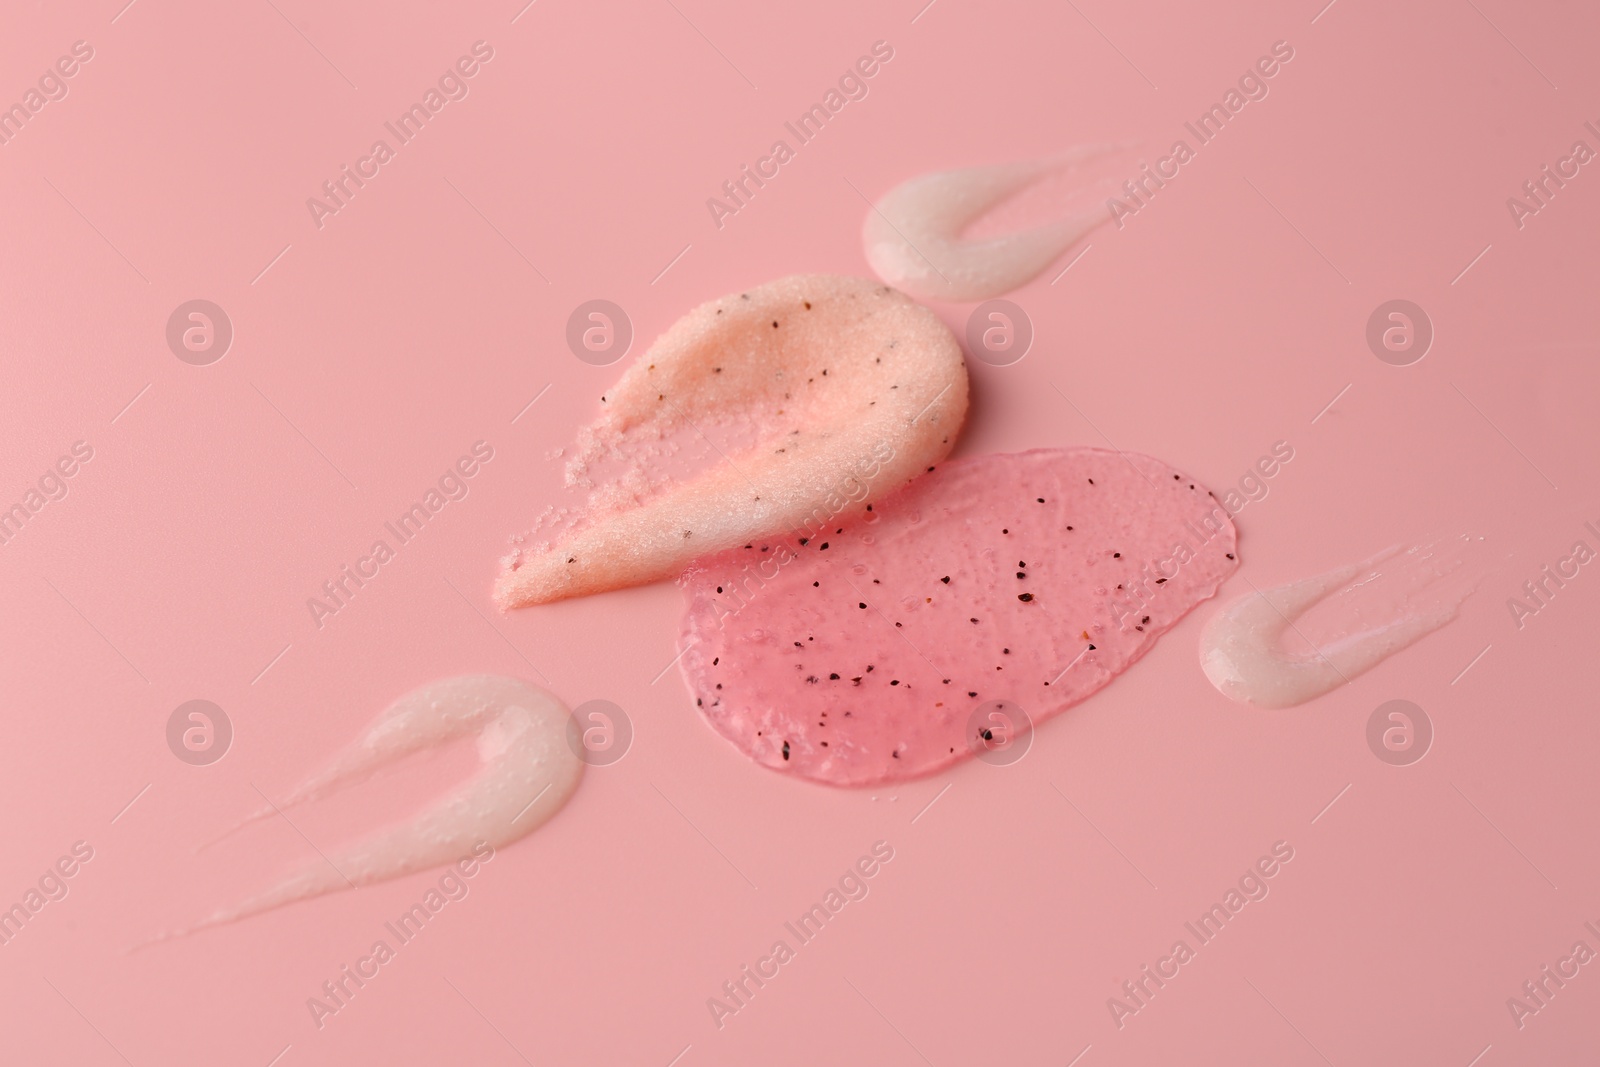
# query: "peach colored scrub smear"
{"type": "Point", "coordinates": [827, 369]}
{"type": "Point", "coordinates": [858, 651]}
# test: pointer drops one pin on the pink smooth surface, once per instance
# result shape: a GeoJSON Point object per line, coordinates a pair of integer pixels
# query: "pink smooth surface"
{"type": "Point", "coordinates": [423, 317]}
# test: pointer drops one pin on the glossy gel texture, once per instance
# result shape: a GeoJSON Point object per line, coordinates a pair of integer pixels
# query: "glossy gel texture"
{"type": "Point", "coordinates": [861, 656]}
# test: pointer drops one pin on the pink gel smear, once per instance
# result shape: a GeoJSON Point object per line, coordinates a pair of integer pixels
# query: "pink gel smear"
{"type": "Point", "coordinates": [849, 659]}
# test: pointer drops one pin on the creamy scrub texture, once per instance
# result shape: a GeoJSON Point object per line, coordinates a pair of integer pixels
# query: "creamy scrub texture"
{"type": "Point", "coordinates": [824, 372]}
{"type": "Point", "coordinates": [863, 652]}
{"type": "Point", "coordinates": [1261, 649]}
{"type": "Point", "coordinates": [913, 236]}
{"type": "Point", "coordinates": [528, 773]}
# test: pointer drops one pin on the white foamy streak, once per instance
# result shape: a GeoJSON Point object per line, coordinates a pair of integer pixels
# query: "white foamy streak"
{"type": "Point", "coordinates": [913, 241]}
{"type": "Point", "coordinates": [528, 772]}
{"type": "Point", "coordinates": [1242, 648]}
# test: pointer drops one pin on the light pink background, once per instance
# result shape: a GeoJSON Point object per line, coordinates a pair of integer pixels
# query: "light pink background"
{"type": "Point", "coordinates": [1223, 318]}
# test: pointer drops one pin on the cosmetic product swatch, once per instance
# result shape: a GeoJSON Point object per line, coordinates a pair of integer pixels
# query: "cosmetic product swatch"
{"type": "Point", "coordinates": [528, 772]}
{"type": "Point", "coordinates": [820, 370]}
{"type": "Point", "coordinates": [1261, 649]}
{"type": "Point", "coordinates": [914, 236]}
{"type": "Point", "coordinates": [864, 649]}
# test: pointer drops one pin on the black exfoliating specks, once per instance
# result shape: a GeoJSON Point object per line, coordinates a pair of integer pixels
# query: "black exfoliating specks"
{"type": "Point", "coordinates": [786, 750]}
{"type": "Point", "coordinates": [1025, 597]}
